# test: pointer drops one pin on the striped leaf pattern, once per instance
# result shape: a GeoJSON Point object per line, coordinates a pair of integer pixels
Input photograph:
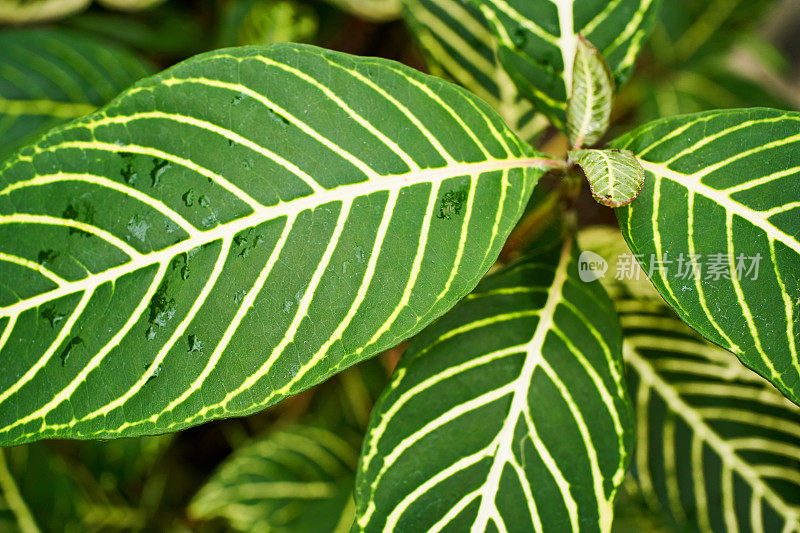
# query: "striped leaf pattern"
{"type": "Point", "coordinates": [716, 228]}
{"type": "Point", "coordinates": [509, 414]}
{"type": "Point", "coordinates": [236, 229]}
{"type": "Point", "coordinates": [297, 480]}
{"type": "Point", "coordinates": [718, 448]}
{"type": "Point", "coordinates": [539, 41]}
{"type": "Point", "coordinates": [615, 176]}
{"type": "Point", "coordinates": [50, 76]}
{"type": "Point", "coordinates": [459, 45]}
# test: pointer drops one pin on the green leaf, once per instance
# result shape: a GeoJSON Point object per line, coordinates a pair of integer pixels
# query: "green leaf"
{"type": "Point", "coordinates": [689, 30]}
{"type": "Point", "coordinates": [29, 11]}
{"type": "Point", "coordinates": [371, 10]}
{"type": "Point", "coordinates": [721, 201]}
{"type": "Point", "coordinates": [589, 106]}
{"type": "Point", "coordinates": [615, 176]}
{"type": "Point", "coordinates": [52, 76]}
{"type": "Point", "coordinates": [265, 22]}
{"type": "Point", "coordinates": [459, 45]}
{"type": "Point", "coordinates": [130, 5]}
{"type": "Point", "coordinates": [239, 228]}
{"type": "Point", "coordinates": [510, 409]}
{"type": "Point", "coordinates": [717, 446]}
{"type": "Point", "coordinates": [297, 480]}
{"type": "Point", "coordinates": [539, 40]}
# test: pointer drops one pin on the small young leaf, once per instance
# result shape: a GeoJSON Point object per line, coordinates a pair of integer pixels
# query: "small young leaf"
{"type": "Point", "coordinates": [589, 105]}
{"type": "Point", "coordinates": [615, 176]}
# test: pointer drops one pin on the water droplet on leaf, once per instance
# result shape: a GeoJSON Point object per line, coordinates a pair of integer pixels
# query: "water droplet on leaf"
{"type": "Point", "coordinates": [65, 353]}
{"type": "Point", "coordinates": [195, 345]}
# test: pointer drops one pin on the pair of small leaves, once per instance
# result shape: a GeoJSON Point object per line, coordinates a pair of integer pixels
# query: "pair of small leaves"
{"type": "Point", "coordinates": [615, 176]}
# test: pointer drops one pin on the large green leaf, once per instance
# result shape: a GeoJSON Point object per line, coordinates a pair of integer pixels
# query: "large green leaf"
{"type": "Point", "coordinates": [718, 448]}
{"type": "Point", "coordinates": [299, 480]}
{"type": "Point", "coordinates": [460, 46]}
{"type": "Point", "coordinates": [539, 40]}
{"type": "Point", "coordinates": [722, 193]}
{"type": "Point", "coordinates": [237, 229]}
{"type": "Point", "coordinates": [510, 413]}
{"type": "Point", "coordinates": [48, 77]}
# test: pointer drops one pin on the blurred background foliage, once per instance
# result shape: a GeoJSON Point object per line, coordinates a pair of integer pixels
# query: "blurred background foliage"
{"type": "Point", "coordinates": [290, 468]}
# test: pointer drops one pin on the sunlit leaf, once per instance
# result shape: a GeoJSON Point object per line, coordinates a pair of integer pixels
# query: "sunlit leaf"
{"type": "Point", "coordinates": [372, 10]}
{"type": "Point", "coordinates": [28, 11]}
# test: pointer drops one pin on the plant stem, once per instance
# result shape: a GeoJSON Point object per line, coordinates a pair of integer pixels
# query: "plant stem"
{"type": "Point", "coordinates": [14, 498]}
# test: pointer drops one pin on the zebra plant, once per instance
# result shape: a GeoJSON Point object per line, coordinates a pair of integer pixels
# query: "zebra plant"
{"type": "Point", "coordinates": [252, 221]}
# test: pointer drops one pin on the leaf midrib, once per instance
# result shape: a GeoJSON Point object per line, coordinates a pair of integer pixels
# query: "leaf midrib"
{"type": "Point", "coordinates": [266, 213]}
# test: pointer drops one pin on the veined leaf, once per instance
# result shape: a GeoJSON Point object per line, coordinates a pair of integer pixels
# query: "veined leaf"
{"type": "Point", "coordinates": [28, 11]}
{"type": "Point", "coordinates": [48, 77]}
{"type": "Point", "coordinates": [717, 446]}
{"type": "Point", "coordinates": [589, 106]}
{"type": "Point", "coordinates": [297, 480]}
{"type": "Point", "coordinates": [615, 176]}
{"type": "Point", "coordinates": [510, 413]}
{"type": "Point", "coordinates": [539, 40]}
{"type": "Point", "coordinates": [278, 214]}
{"type": "Point", "coordinates": [460, 46]}
{"type": "Point", "coordinates": [717, 226]}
